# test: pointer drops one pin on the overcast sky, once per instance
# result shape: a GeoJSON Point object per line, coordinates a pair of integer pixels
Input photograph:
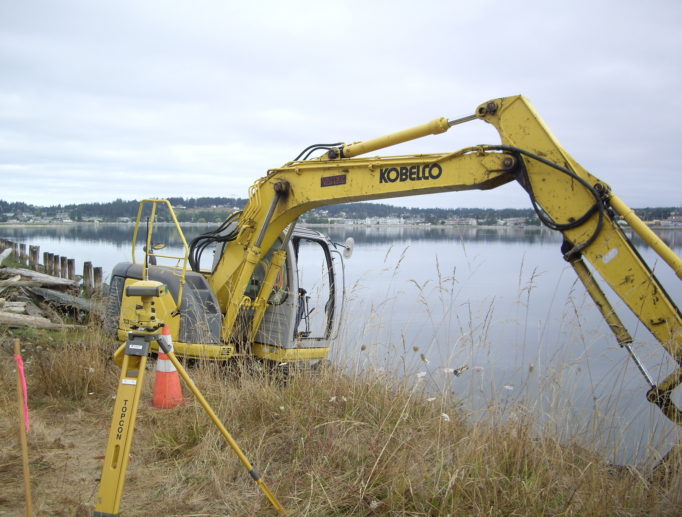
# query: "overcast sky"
{"type": "Point", "coordinates": [132, 99]}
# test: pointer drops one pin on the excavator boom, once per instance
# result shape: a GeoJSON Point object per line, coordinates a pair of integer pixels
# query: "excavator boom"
{"type": "Point", "coordinates": [565, 196]}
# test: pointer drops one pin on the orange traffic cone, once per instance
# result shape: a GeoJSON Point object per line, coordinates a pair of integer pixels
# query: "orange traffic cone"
{"type": "Point", "coordinates": [167, 392]}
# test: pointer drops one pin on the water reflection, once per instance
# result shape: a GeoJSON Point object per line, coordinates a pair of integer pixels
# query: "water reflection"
{"type": "Point", "coordinates": [121, 234]}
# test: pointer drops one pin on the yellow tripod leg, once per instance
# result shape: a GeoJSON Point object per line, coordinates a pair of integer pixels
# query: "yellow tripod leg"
{"type": "Point", "coordinates": [216, 421]}
{"type": "Point", "coordinates": [122, 426]}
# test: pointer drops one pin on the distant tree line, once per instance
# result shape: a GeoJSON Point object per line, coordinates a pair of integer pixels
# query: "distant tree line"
{"type": "Point", "coordinates": [364, 210]}
{"type": "Point", "coordinates": [214, 209]}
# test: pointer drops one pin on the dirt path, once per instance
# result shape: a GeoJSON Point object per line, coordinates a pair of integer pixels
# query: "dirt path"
{"type": "Point", "coordinates": [64, 446]}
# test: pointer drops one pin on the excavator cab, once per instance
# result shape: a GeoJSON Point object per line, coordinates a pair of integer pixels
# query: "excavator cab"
{"type": "Point", "coordinates": [296, 321]}
{"type": "Point", "coordinates": [305, 305]}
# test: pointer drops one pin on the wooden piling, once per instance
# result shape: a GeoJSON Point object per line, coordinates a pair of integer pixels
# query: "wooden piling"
{"type": "Point", "coordinates": [87, 277]}
{"type": "Point", "coordinates": [71, 269]}
{"type": "Point", "coordinates": [64, 269]}
{"type": "Point", "coordinates": [97, 278]}
{"type": "Point", "coordinates": [34, 254]}
{"type": "Point", "coordinates": [49, 263]}
{"type": "Point", "coordinates": [56, 266]}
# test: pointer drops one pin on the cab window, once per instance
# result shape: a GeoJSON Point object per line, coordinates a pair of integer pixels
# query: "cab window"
{"type": "Point", "coordinates": [315, 309]}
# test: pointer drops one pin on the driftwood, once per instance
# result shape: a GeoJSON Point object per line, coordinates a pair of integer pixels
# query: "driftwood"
{"type": "Point", "coordinates": [18, 282]}
{"type": "Point", "coordinates": [22, 288]}
{"type": "Point", "coordinates": [9, 282]}
{"type": "Point", "coordinates": [16, 307]}
{"type": "Point", "coordinates": [31, 308]}
{"type": "Point", "coordinates": [35, 278]}
{"type": "Point", "coordinates": [22, 320]}
{"type": "Point", "coordinates": [62, 299]}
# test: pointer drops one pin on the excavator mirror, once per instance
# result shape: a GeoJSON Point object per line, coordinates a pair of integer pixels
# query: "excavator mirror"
{"type": "Point", "coordinates": [348, 247]}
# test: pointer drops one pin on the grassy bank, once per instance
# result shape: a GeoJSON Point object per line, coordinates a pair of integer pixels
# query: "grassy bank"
{"type": "Point", "coordinates": [326, 442]}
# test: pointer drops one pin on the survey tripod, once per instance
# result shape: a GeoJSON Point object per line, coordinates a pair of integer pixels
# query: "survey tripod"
{"type": "Point", "coordinates": [134, 361]}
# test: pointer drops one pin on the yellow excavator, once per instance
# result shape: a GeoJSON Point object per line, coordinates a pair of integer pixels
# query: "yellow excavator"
{"type": "Point", "coordinates": [249, 300]}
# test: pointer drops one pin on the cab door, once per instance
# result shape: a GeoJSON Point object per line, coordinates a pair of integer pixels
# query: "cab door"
{"type": "Point", "coordinates": [304, 312]}
{"type": "Point", "coordinates": [319, 294]}
{"type": "Point", "coordinates": [276, 327]}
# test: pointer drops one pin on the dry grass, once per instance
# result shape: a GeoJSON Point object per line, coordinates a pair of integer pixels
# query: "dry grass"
{"type": "Point", "coordinates": [326, 442]}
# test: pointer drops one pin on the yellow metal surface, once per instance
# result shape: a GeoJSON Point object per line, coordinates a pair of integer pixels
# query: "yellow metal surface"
{"type": "Point", "coordinates": [164, 307]}
{"type": "Point", "coordinates": [250, 260]}
{"type": "Point", "coordinates": [120, 351]}
{"type": "Point", "coordinates": [260, 304]}
{"type": "Point", "coordinates": [167, 311]}
{"type": "Point", "coordinates": [647, 234]}
{"type": "Point", "coordinates": [121, 434]}
{"type": "Point", "coordinates": [363, 179]}
{"type": "Point", "coordinates": [180, 266]}
{"type": "Point", "coordinates": [603, 305]}
{"type": "Point", "coordinates": [565, 199]}
{"type": "Point", "coordinates": [201, 351]}
{"type": "Point", "coordinates": [663, 390]}
{"type": "Point", "coordinates": [221, 352]}
{"type": "Point", "coordinates": [274, 353]}
{"type": "Point", "coordinates": [436, 126]}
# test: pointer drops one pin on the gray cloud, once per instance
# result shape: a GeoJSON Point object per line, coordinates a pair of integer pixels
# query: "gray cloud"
{"type": "Point", "coordinates": [137, 99]}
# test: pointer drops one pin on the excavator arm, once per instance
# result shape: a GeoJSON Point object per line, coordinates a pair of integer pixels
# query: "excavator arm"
{"type": "Point", "coordinates": [564, 195]}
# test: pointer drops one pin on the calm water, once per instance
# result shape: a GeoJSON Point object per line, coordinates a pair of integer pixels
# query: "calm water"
{"type": "Point", "coordinates": [501, 304]}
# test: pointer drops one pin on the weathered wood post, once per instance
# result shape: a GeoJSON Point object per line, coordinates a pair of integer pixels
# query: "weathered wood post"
{"type": "Point", "coordinates": [46, 262]}
{"type": "Point", "coordinates": [87, 278]}
{"type": "Point", "coordinates": [64, 270]}
{"type": "Point", "coordinates": [55, 265]}
{"type": "Point", "coordinates": [97, 277]}
{"type": "Point", "coordinates": [15, 251]}
{"type": "Point", "coordinates": [34, 257]}
{"type": "Point", "coordinates": [71, 269]}
{"type": "Point", "coordinates": [22, 254]}
{"type": "Point", "coordinates": [49, 264]}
